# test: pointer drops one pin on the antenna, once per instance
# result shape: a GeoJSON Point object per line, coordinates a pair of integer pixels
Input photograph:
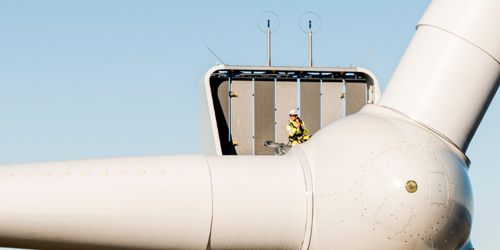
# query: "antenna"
{"type": "Point", "coordinates": [364, 58]}
{"type": "Point", "coordinates": [310, 64]}
{"type": "Point", "coordinates": [310, 32]}
{"type": "Point", "coordinates": [270, 15]}
{"type": "Point", "coordinates": [268, 43]}
{"type": "Point", "coordinates": [217, 56]}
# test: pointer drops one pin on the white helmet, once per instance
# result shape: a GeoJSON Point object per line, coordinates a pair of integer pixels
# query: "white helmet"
{"type": "Point", "coordinates": [293, 112]}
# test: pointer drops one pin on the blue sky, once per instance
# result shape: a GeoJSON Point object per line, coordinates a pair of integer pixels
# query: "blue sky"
{"type": "Point", "coordinates": [91, 79]}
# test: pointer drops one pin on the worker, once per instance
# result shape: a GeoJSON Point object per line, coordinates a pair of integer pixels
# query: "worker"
{"type": "Point", "coordinates": [297, 131]}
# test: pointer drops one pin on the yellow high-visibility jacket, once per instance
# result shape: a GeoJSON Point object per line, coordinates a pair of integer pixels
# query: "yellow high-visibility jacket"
{"type": "Point", "coordinates": [295, 133]}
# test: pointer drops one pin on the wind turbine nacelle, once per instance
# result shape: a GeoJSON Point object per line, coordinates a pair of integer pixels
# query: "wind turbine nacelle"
{"type": "Point", "coordinates": [382, 181]}
{"type": "Point", "coordinates": [373, 180]}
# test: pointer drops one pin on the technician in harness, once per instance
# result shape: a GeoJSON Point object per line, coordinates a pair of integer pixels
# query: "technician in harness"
{"type": "Point", "coordinates": [297, 131]}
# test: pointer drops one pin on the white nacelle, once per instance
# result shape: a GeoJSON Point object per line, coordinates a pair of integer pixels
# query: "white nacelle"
{"type": "Point", "coordinates": [343, 189]}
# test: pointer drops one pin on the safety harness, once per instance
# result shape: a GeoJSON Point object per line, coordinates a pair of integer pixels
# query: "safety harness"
{"type": "Point", "coordinates": [296, 136]}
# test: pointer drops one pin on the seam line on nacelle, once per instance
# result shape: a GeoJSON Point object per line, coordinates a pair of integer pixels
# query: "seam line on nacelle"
{"type": "Point", "coordinates": [209, 242]}
{"type": "Point", "coordinates": [309, 187]}
{"type": "Point", "coordinates": [460, 38]}
{"type": "Point", "coordinates": [427, 127]}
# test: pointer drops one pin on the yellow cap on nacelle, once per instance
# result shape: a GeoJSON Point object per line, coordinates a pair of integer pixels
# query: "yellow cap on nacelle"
{"type": "Point", "coordinates": [411, 186]}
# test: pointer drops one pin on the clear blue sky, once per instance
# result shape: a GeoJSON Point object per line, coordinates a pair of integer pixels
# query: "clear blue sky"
{"type": "Point", "coordinates": [91, 79]}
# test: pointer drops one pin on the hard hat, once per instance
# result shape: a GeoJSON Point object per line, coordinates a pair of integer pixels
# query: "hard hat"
{"type": "Point", "coordinates": [293, 112]}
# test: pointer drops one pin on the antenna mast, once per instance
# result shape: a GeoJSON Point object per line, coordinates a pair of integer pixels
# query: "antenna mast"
{"type": "Point", "coordinates": [269, 13]}
{"type": "Point", "coordinates": [268, 43]}
{"type": "Point", "coordinates": [309, 13]}
{"type": "Point", "coordinates": [310, 46]}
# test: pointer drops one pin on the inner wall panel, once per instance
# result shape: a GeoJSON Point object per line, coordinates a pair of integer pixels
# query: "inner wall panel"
{"type": "Point", "coordinates": [310, 104]}
{"type": "Point", "coordinates": [223, 94]}
{"type": "Point", "coordinates": [332, 104]}
{"type": "Point", "coordinates": [355, 97]}
{"type": "Point", "coordinates": [286, 95]}
{"type": "Point", "coordinates": [264, 115]}
{"type": "Point", "coordinates": [220, 94]}
{"type": "Point", "coordinates": [241, 116]}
